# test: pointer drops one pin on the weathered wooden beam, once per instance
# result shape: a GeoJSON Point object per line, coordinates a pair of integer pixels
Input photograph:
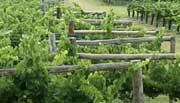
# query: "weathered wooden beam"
{"type": "Point", "coordinates": [119, 29]}
{"type": "Point", "coordinates": [95, 12]}
{"type": "Point", "coordinates": [71, 68]}
{"type": "Point", "coordinates": [121, 40]}
{"type": "Point", "coordinates": [126, 56]}
{"type": "Point", "coordinates": [116, 22]}
{"type": "Point", "coordinates": [85, 32]}
{"type": "Point", "coordinates": [93, 67]}
{"type": "Point", "coordinates": [8, 71]}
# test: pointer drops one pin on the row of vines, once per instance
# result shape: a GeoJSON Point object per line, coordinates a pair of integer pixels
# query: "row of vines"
{"type": "Point", "coordinates": [164, 13]}
{"type": "Point", "coordinates": [24, 45]}
{"type": "Point", "coordinates": [120, 2]}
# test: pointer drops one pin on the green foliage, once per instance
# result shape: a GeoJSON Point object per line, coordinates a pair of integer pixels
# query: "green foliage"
{"type": "Point", "coordinates": [8, 55]}
{"type": "Point", "coordinates": [24, 46]}
{"type": "Point", "coordinates": [109, 22]}
{"type": "Point", "coordinates": [8, 90]}
{"type": "Point", "coordinates": [32, 76]}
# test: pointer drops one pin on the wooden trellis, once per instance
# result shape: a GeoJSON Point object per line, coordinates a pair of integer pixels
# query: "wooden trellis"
{"type": "Point", "coordinates": [137, 75]}
{"type": "Point", "coordinates": [137, 81]}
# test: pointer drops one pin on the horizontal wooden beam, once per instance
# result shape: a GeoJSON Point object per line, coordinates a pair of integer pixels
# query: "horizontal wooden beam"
{"type": "Point", "coordinates": [85, 32]}
{"type": "Point", "coordinates": [93, 67]}
{"type": "Point", "coordinates": [71, 68]}
{"type": "Point", "coordinates": [95, 12]}
{"type": "Point", "coordinates": [126, 56]}
{"type": "Point", "coordinates": [121, 40]}
{"type": "Point", "coordinates": [116, 22]}
{"type": "Point", "coordinates": [8, 71]}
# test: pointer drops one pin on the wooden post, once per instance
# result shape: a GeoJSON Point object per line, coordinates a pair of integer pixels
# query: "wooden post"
{"type": "Point", "coordinates": [72, 49]}
{"type": "Point", "coordinates": [170, 24]}
{"type": "Point", "coordinates": [173, 45]}
{"type": "Point", "coordinates": [72, 40]}
{"type": "Point", "coordinates": [142, 15]}
{"type": "Point", "coordinates": [104, 14]}
{"type": "Point", "coordinates": [178, 27]}
{"type": "Point", "coordinates": [170, 99]}
{"type": "Point", "coordinates": [137, 81]}
{"type": "Point", "coordinates": [137, 15]}
{"type": "Point", "coordinates": [164, 21]}
{"type": "Point", "coordinates": [133, 13]}
{"type": "Point", "coordinates": [52, 43]}
{"type": "Point", "coordinates": [71, 28]}
{"type": "Point", "coordinates": [58, 13]}
{"type": "Point", "coordinates": [129, 12]}
{"type": "Point", "coordinates": [157, 19]}
{"type": "Point", "coordinates": [147, 17]}
{"type": "Point", "coordinates": [152, 20]}
{"type": "Point", "coordinates": [43, 7]}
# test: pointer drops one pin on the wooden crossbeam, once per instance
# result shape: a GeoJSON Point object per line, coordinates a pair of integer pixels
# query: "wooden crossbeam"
{"type": "Point", "coordinates": [116, 22]}
{"type": "Point", "coordinates": [121, 40]}
{"type": "Point", "coordinates": [85, 32]}
{"type": "Point", "coordinates": [95, 12]}
{"type": "Point", "coordinates": [126, 56]}
{"type": "Point", "coordinates": [71, 68]}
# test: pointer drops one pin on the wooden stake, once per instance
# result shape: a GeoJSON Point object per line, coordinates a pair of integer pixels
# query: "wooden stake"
{"type": "Point", "coordinates": [170, 24]}
{"type": "Point", "coordinates": [71, 28]}
{"type": "Point", "coordinates": [133, 13]}
{"type": "Point", "coordinates": [173, 45]}
{"type": "Point", "coordinates": [152, 20]}
{"type": "Point", "coordinates": [138, 95]}
{"type": "Point", "coordinates": [164, 21]}
{"type": "Point", "coordinates": [52, 43]}
{"type": "Point", "coordinates": [58, 13]}
{"type": "Point", "coordinates": [147, 17]}
{"type": "Point", "coordinates": [72, 49]}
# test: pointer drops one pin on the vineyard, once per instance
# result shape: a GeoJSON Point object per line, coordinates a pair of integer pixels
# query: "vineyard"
{"type": "Point", "coordinates": [165, 12]}
{"type": "Point", "coordinates": [51, 52]}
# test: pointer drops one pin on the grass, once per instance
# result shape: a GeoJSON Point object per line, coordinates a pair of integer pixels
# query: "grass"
{"type": "Point", "coordinates": [159, 99]}
{"type": "Point", "coordinates": [97, 5]}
